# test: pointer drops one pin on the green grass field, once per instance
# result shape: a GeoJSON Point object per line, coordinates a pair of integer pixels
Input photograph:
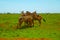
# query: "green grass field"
{"type": "Point", "coordinates": [48, 29]}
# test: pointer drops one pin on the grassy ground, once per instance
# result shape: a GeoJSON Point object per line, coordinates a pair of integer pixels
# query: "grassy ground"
{"type": "Point", "coordinates": [48, 29]}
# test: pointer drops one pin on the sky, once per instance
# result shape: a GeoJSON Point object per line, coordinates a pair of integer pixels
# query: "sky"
{"type": "Point", "coordinates": [40, 6]}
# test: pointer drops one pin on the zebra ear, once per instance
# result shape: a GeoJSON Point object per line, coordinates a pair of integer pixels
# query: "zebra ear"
{"type": "Point", "coordinates": [22, 13]}
{"type": "Point", "coordinates": [27, 12]}
{"type": "Point", "coordinates": [34, 12]}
